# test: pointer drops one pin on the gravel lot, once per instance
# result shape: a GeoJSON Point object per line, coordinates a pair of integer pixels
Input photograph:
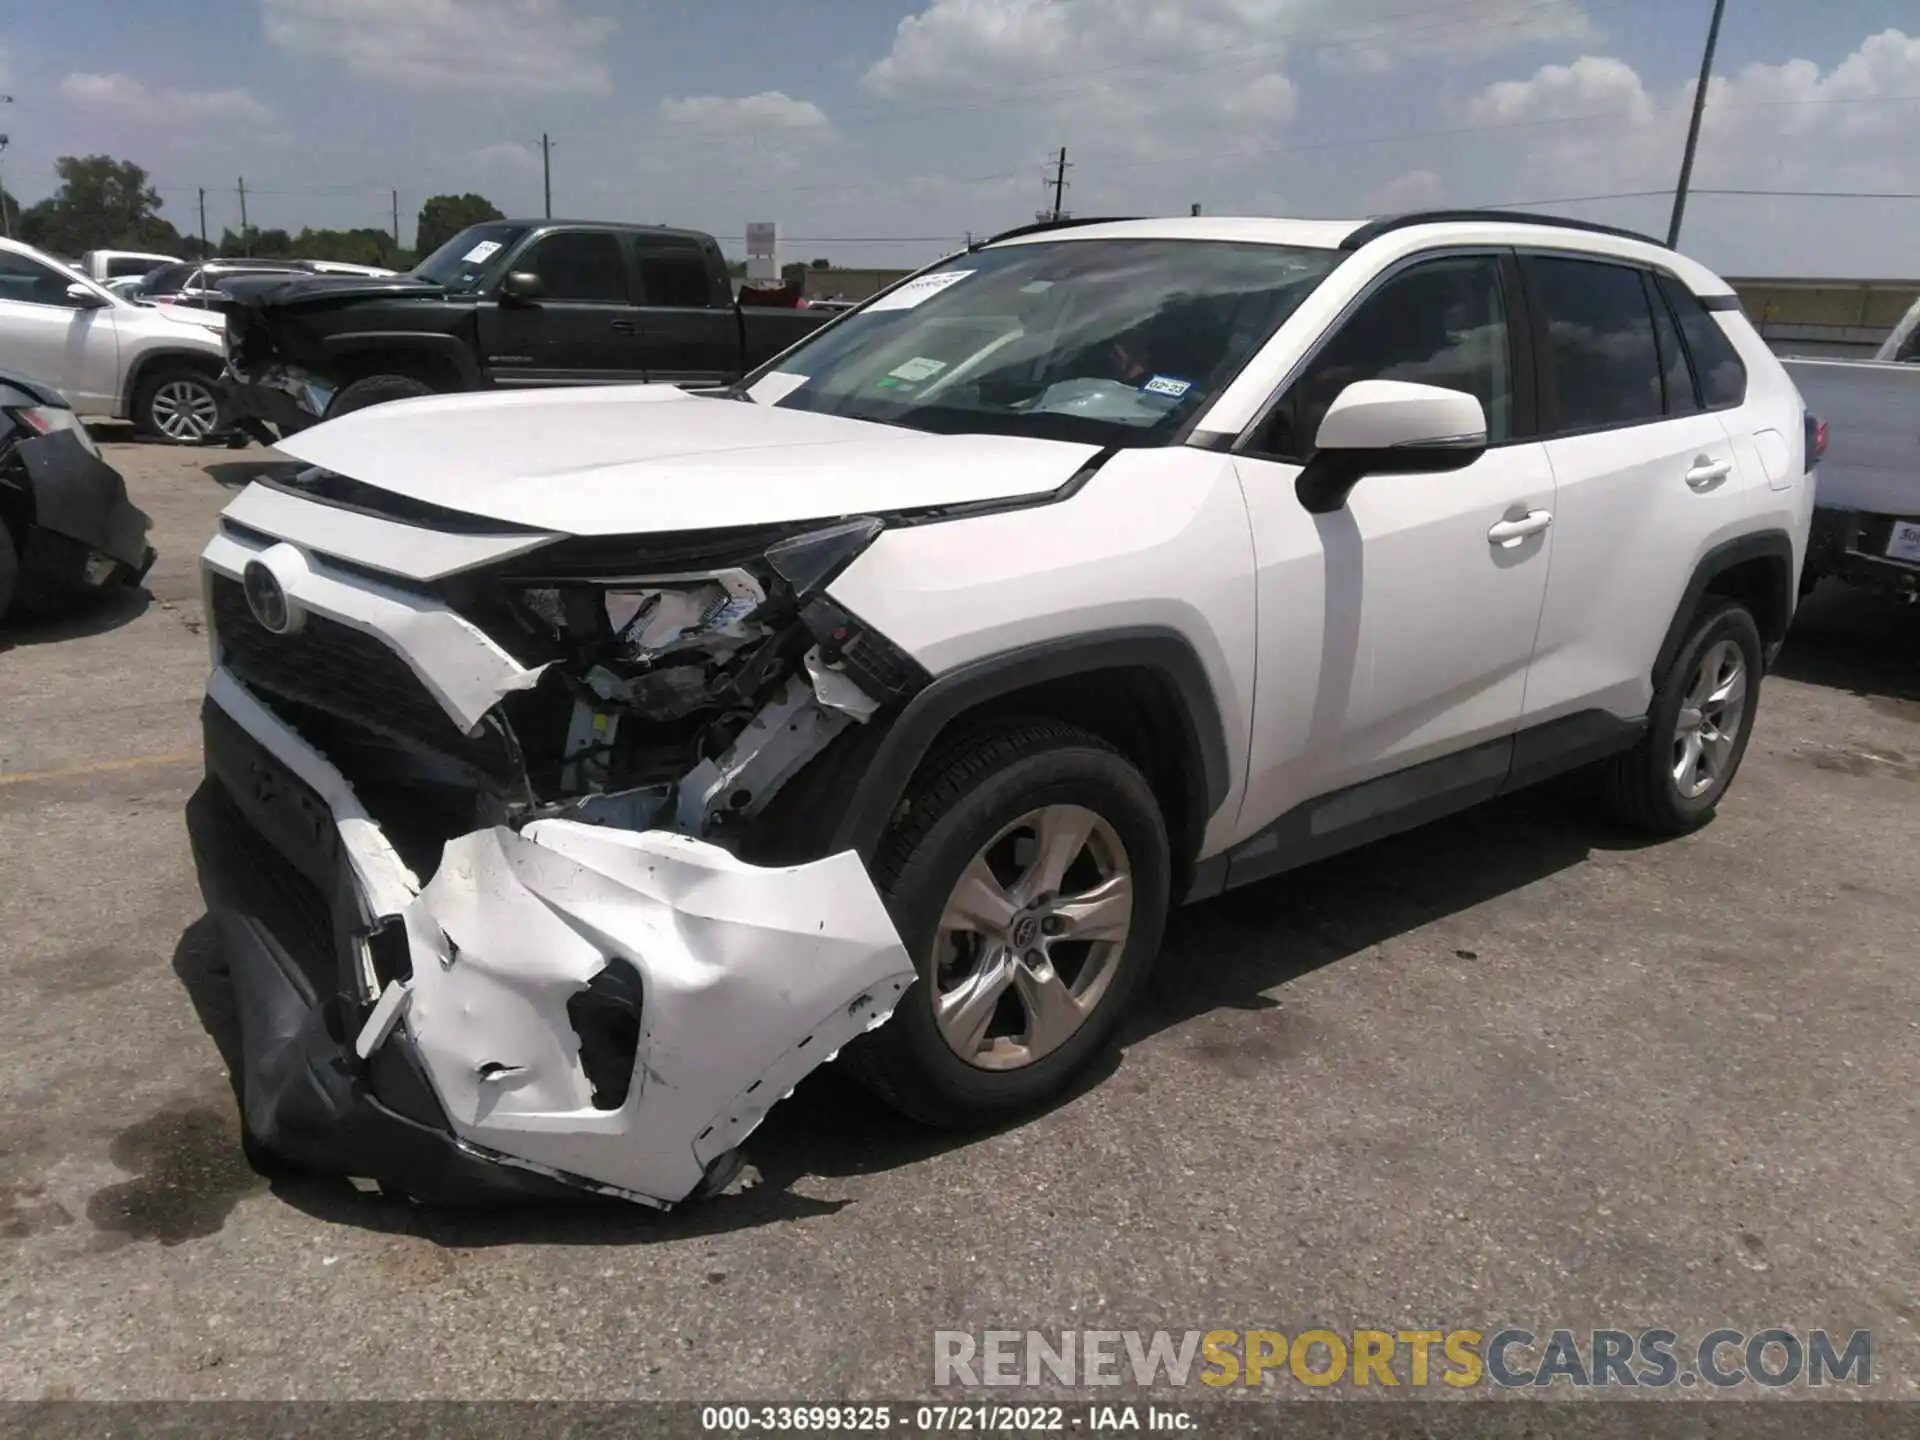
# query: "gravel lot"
{"type": "Point", "coordinates": [1510, 1069]}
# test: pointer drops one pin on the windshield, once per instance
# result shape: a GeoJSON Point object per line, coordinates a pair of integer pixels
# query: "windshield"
{"type": "Point", "coordinates": [472, 258]}
{"type": "Point", "coordinates": [1111, 341]}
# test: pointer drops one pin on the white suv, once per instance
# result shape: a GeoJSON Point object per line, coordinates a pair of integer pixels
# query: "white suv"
{"type": "Point", "coordinates": [108, 356]}
{"type": "Point", "coordinates": [587, 766]}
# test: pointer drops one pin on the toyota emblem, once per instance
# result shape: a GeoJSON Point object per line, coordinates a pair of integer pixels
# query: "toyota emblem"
{"type": "Point", "coordinates": [266, 597]}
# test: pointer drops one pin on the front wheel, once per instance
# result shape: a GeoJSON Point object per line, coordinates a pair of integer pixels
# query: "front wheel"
{"type": "Point", "coordinates": [1029, 878]}
{"type": "Point", "coordinates": [377, 390]}
{"type": "Point", "coordinates": [178, 405]}
{"type": "Point", "coordinates": [1697, 730]}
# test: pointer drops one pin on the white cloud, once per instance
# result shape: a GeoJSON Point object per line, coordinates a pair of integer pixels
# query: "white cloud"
{"type": "Point", "coordinates": [1767, 126]}
{"type": "Point", "coordinates": [771, 111]}
{"type": "Point", "coordinates": [505, 155]}
{"type": "Point", "coordinates": [502, 47]}
{"type": "Point", "coordinates": [134, 99]}
{"type": "Point", "coordinates": [1141, 80]}
{"type": "Point", "coordinates": [1415, 190]}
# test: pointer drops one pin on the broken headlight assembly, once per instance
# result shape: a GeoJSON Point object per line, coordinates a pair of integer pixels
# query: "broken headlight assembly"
{"type": "Point", "coordinates": [695, 695]}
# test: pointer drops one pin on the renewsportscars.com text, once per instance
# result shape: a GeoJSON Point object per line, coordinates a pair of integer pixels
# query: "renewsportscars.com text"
{"type": "Point", "coordinates": [1510, 1358]}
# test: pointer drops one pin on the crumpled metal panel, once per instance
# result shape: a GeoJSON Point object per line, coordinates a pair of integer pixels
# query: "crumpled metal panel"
{"type": "Point", "coordinates": [751, 977]}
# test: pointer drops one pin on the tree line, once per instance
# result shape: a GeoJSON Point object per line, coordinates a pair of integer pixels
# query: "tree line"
{"type": "Point", "coordinates": [108, 204]}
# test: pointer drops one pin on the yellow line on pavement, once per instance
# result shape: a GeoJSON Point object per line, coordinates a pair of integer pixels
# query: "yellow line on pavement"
{"type": "Point", "coordinates": [101, 767]}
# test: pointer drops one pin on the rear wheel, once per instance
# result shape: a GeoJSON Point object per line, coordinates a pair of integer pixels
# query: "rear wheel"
{"type": "Point", "coordinates": [1697, 731]}
{"type": "Point", "coordinates": [1029, 879]}
{"type": "Point", "coordinates": [377, 390]}
{"type": "Point", "coordinates": [178, 405]}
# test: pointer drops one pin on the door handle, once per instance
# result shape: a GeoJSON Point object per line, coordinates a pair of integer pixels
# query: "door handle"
{"type": "Point", "coordinates": [625, 327]}
{"type": "Point", "coordinates": [1509, 533]}
{"type": "Point", "coordinates": [1707, 472]}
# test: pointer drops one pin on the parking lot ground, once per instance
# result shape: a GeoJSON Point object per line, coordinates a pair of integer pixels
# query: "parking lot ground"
{"type": "Point", "coordinates": [1510, 1069]}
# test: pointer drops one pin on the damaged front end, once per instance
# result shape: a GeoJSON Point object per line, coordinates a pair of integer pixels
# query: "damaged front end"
{"type": "Point", "coordinates": [517, 888]}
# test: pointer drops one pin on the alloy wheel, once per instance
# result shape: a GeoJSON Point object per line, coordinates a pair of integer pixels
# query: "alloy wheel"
{"type": "Point", "coordinates": [185, 410]}
{"type": "Point", "coordinates": [1711, 715]}
{"type": "Point", "coordinates": [1030, 939]}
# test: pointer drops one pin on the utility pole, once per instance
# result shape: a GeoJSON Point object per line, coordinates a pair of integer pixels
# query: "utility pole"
{"type": "Point", "coordinates": [1059, 183]}
{"type": "Point", "coordinates": [203, 222]}
{"type": "Point", "coordinates": [546, 172]}
{"type": "Point", "coordinates": [1693, 128]}
{"type": "Point", "coordinates": [6, 218]}
{"type": "Point", "coordinates": [396, 219]}
{"type": "Point", "coordinates": [246, 238]}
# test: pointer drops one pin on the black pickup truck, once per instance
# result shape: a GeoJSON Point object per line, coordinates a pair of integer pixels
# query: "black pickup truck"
{"type": "Point", "coordinates": [506, 303]}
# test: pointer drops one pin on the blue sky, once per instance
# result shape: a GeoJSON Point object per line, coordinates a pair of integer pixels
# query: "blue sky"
{"type": "Point", "coordinates": [882, 131]}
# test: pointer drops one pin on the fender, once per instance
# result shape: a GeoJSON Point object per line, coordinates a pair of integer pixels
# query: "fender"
{"type": "Point", "coordinates": [449, 348]}
{"type": "Point", "coordinates": [1775, 545]}
{"type": "Point", "coordinates": [1163, 652]}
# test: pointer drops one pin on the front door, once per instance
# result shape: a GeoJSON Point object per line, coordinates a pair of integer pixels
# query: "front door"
{"type": "Point", "coordinates": [48, 335]}
{"type": "Point", "coordinates": [583, 327]}
{"type": "Point", "coordinates": [1398, 629]}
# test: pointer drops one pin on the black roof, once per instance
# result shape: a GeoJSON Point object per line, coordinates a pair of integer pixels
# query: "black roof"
{"type": "Point", "coordinates": [1386, 224]}
{"type": "Point", "coordinates": [558, 222]}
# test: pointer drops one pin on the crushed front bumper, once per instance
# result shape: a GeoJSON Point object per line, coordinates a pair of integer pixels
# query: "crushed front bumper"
{"type": "Point", "coordinates": [560, 1009]}
{"type": "Point", "coordinates": [287, 399]}
{"type": "Point", "coordinates": [86, 533]}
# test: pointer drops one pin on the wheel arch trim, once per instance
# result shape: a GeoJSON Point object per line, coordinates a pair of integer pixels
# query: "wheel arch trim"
{"type": "Point", "coordinates": [1771, 545]}
{"type": "Point", "coordinates": [1159, 650]}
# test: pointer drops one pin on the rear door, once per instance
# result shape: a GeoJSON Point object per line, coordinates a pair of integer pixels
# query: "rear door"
{"type": "Point", "coordinates": [1645, 475]}
{"type": "Point", "coordinates": [690, 329]}
{"type": "Point", "coordinates": [583, 327]}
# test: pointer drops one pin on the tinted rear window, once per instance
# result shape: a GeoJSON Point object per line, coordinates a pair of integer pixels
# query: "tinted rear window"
{"type": "Point", "coordinates": [1722, 376]}
{"type": "Point", "coordinates": [1602, 366]}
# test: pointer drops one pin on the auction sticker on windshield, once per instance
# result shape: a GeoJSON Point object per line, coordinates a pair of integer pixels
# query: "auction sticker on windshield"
{"type": "Point", "coordinates": [918, 291]}
{"type": "Point", "coordinates": [481, 251]}
{"type": "Point", "coordinates": [917, 369]}
{"type": "Point", "coordinates": [1168, 385]}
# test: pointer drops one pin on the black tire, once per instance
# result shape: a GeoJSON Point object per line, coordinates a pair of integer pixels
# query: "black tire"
{"type": "Point", "coordinates": [1638, 788]}
{"type": "Point", "coordinates": [377, 390]}
{"type": "Point", "coordinates": [173, 378]}
{"type": "Point", "coordinates": [9, 571]}
{"type": "Point", "coordinates": [957, 805]}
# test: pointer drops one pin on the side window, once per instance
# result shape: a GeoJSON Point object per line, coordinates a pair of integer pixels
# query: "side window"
{"type": "Point", "coordinates": [674, 275]}
{"type": "Point", "coordinates": [1682, 397]}
{"type": "Point", "coordinates": [1601, 367]}
{"type": "Point", "coordinates": [579, 265]}
{"type": "Point", "coordinates": [31, 283]}
{"type": "Point", "coordinates": [1723, 378]}
{"type": "Point", "coordinates": [1443, 322]}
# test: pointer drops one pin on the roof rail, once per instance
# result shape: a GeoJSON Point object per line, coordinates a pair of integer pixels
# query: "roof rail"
{"type": "Point", "coordinates": [1386, 224]}
{"type": "Point", "coordinates": [1042, 225]}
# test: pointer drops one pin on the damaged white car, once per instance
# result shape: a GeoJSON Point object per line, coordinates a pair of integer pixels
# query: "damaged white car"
{"type": "Point", "coordinates": [587, 766]}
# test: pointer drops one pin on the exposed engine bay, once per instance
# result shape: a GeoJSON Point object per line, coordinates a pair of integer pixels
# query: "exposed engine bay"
{"type": "Point", "coordinates": [549, 917]}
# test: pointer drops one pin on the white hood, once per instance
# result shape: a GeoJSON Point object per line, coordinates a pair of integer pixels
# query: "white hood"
{"type": "Point", "coordinates": [628, 460]}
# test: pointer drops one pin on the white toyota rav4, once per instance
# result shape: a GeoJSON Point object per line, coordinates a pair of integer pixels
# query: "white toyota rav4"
{"type": "Point", "coordinates": [587, 766]}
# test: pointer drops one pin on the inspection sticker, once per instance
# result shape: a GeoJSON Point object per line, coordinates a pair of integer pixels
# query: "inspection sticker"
{"type": "Point", "coordinates": [918, 291]}
{"type": "Point", "coordinates": [1166, 385]}
{"type": "Point", "coordinates": [917, 369]}
{"type": "Point", "coordinates": [481, 251]}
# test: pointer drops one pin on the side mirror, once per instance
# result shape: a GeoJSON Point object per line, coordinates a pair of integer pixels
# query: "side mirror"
{"type": "Point", "coordinates": [522, 285]}
{"type": "Point", "coordinates": [1390, 427]}
{"type": "Point", "coordinates": [86, 297]}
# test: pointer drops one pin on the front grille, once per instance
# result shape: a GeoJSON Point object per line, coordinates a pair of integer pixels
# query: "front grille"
{"type": "Point", "coordinates": [344, 673]}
